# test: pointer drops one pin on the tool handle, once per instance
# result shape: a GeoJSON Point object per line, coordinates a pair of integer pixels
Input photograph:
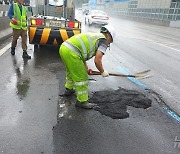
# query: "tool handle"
{"type": "Point", "coordinates": [121, 75]}
{"type": "Point", "coordinates": [112, 74]}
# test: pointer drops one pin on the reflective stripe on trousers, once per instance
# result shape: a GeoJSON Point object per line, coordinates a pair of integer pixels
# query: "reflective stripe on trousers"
{"type": "Point", "coordinates": [76, 74]}
{"type": "Point", "coordinates": [81, 90]}
{"type": "Point", "coordinates": [69, 82]}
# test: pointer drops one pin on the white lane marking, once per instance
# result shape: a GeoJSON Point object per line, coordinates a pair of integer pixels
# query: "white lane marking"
{"type": "Point", "coordinates": [6, 14]}
{"type": "Point", "coordinates": [3, 50]}
{"type": "Point", "coordinates": [1, 13]}
{"type": "Point", "coordinates": [169, 47]}
{"type": "Point", "coordinates": [153, 41]}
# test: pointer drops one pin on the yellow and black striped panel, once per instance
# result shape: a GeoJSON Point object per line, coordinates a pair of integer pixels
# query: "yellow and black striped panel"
{"type": "Point", "coordinates": [49, 36]}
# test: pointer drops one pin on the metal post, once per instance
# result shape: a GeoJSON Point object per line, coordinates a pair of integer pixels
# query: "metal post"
{"type": "Point", "coordinates": [44, 12]}
{"type": "Point", "coordinates": [47, 8]}
{"type": "Point", "coordinates": [175, 13]}
{"type": "Point", "coordinates": [44, 7]}
{"type": "Point", "coordinates": [65, 9]}
{"type": "Point", "coordinates": [37, 7]}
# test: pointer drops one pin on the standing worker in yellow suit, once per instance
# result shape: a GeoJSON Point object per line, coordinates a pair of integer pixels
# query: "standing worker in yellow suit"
{"type": "Point", "coordinates": [18, 15]}
{"type": "Point", "coordinates": [75, 52]}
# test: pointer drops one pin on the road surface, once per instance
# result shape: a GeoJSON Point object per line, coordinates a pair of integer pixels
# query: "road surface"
{"type": "Point", "coordinates": [34, 118]}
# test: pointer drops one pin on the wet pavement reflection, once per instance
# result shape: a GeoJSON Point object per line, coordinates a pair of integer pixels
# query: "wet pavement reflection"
{"type": "Point", "coordinates": [30, 106]}
{"type": "Point", "coordinates": [45, 55]}
{"type": "Point", "coordinates": [28, 100]}
{"type": "Point", "coordinates": [22, 77]}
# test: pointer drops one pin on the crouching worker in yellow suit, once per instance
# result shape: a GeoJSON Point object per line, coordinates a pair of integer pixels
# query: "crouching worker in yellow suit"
{"type": "Point", "coordinates": [75, 52]}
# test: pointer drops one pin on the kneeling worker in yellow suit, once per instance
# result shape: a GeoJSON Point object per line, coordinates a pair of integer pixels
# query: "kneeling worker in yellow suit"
{"type": "Point", "coordinates": [75, 52]}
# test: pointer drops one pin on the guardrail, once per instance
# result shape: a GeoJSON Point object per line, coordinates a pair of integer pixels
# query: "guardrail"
{"type": "Point", "coordinates": [167, 14]}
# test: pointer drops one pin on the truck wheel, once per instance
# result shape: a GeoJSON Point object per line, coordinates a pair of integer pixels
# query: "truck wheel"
{"type": "Point", "coordinates": [36, 48]}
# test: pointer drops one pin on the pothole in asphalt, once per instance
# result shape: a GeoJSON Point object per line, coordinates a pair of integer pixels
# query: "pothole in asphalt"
{"type": "Point", "coordinates": [113, 103]}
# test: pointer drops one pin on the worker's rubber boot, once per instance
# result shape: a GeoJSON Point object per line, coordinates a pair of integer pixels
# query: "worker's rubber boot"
{"type": "Point", "coordinates": [25, 55]}
{"type": "Point", "coordinates": [85, 105]}
{"type": "Point", "coordinates": [69, 92]}
{"type": "Point", "coordinates": [12, 51]}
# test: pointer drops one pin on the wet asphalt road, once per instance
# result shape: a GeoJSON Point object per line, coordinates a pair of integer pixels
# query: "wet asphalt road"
{"type": "Point", "coordinates": [35, 119]}
{"type": "Point", "coordinates": [28, 102]}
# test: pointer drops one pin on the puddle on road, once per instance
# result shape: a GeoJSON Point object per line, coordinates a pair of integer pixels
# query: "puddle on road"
{"type": "Point", "coordinates": [113, 103]}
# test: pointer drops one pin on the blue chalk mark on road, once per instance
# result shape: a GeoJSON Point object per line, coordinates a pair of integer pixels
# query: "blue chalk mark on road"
{"type": "Point", "coordinates": [172, 114]}
{"type": "Point", "coordinates": [137, 82]}
{"type": "Point", "coordinates": [124, 71]}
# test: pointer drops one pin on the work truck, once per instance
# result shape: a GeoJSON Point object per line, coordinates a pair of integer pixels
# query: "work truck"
{"type": "Point", "coordinates": [52, 22]}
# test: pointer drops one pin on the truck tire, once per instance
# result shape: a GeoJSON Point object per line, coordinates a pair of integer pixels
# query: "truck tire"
{"type": "Point", "coordinates": [36, 48]}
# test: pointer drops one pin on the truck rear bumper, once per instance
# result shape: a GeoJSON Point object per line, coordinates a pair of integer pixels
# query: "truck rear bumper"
{"type": "Point", "coordinates": [50, 36]}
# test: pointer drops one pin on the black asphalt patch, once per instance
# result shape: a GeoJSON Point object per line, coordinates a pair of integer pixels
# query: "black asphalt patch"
{"type": "Point", "coordinates": [113, 103]}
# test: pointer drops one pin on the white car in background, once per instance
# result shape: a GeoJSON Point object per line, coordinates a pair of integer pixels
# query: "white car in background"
{"type": "Point", "coordinates": [96, 17]}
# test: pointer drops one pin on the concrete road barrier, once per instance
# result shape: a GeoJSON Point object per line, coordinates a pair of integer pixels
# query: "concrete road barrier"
{"type": "Point", "coordinates": [175, 24]}
{"type": "Point", "coordinates": [5, 30]}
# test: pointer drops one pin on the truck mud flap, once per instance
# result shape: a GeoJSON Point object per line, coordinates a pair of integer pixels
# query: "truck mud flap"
{"type": "Point", "coordinates": [49, 36]}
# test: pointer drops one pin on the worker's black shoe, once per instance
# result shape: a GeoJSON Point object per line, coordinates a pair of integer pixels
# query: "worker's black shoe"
{"type": "Point", "coordinates": [85, 105]}
{"type": "Point", "coordinates": [13, 51]}
{"type": "Point", "coordinates": [69, 92]}
{"type": "Point", "coordinates": [25, 55]}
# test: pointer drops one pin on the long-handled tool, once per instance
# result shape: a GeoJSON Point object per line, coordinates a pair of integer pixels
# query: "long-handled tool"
{"type": "Point", "coordinates": [137, 75]}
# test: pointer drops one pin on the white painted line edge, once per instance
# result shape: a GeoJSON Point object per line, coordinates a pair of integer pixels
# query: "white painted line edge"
{"type": "Point", "coordinates": [169, 47]}
{"type": "Point", "coordinates": [6, 14]}
{"type": "Point", "coordinates": [3, 50]}
{"type": "Point", "coordinates": [1, 13]}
